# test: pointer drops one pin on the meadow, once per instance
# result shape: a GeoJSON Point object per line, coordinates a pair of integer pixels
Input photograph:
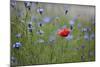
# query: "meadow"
{"type": "Point", "coordinates": [34, 27]}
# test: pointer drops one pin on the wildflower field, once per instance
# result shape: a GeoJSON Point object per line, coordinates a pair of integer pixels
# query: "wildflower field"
{"type": "Point", "coordinates": [34, 33]}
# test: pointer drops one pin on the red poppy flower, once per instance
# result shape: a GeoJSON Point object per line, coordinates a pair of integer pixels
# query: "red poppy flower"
{"type": "Point", "coordinates": [64, 32]}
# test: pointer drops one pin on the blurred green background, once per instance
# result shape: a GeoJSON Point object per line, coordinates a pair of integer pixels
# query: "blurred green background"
{"type": "Point", "coordinates": [61, 50]}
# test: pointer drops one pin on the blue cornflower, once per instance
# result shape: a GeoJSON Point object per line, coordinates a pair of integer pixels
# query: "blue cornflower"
{"type": "Point", "coordinates": [89, 29]}
{"type": "Point", "coordinates": [33, 18]}
{"type": "Point", "coordinates": [30, 25]}
{"type": "Point", "coordinates": [17, 45]}
{"type": "Point", "coordinates": [32, 4]}
{"type": "Point", "coordinates": [84, 30]}
{"type": "Point", "coordinates": [40, 32]}
{"type": "Point", "coordinates": [19, 35]}
{"type": "Point", "coordinates": [13, 60]}
{"type": "Point", "coordinates": [82, 46]}
{"type": "Point", "coordinates": [20, 13]}
{"type": "Point", "coordinates": [92, 36]}
{"type": "Point", "coordinates": [13, 3]}
{"type": "Point", "coordinates": [72, 21]}
{"type": "Point", "coordinates": [82, 58]}
{"type": "Point", "coordinates": [93, 23]}
{"type": "Point", "coordinates": [66, 11]}
{"type": "Point", "coordinates": [66, 8]}
{"type": "Point", "coordinates": [28, 4]}
{"type": "Point", "coordinates": [86, 36]}
{"type": "Point", "coordinates": [79, 25]}
{"type": "Point", "coordinates": [46, 19]}
{"type": "Point", "coordinates": [40, 24]}
{"type": "Point", "coordinates": [40, 10]}
{"type": "Point", "coordinates": [30, 29]}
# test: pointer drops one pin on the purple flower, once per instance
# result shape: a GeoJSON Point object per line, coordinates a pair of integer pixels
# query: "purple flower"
{"type": "Point", "coordinates": [13, 3]}
{"type": "Point", "coordinates": [33, 5]}
{"type": "Point", "coordinates": [84, 29]}
{"type": "Point", "coordinates": [88, 29]}
{"type": "Point", "coordinates": [75, 18]}
{"type": "Point", "coordinates": [13, 60]}
{"type": "Point", "coordinates": [46, 19]}
{"type": "Point", "coordinates": [86, 36]}
{"type": "Point", "coordinates": [66, 7]}
{"type": "Point", "coordinates": [17, 45]}
{"type": "Point", "coordinates": [83, 46]}
{"type": "Point", "coordinates": [33, 18]}
{"type": "Point", "coordinates": [19, 35]}
{"type": "Point", "coordinates": [20, 13]}
{"type": "Point", "coordinates": [40, 24]}
{"type": "Point", "coordinates": [82, 58]}
{"type": "Point", "coordinates": [92, 36]}
{"type": "Point", "coordinates": [30, 25]}
{"type": "Point", "coordinates": [30, 29]}
{"type": "Point", "coordinates": [40, 10]}
{"type": "Point", "coordinates": [71, 22]}
{"type": "Point", "coordinates": [79, 25]}
{"type": "Point", "coordinates": [40, 32]}
{"type": "Point", "coordinates": [28, 4]}
{"type": "Point", "coordinates": [66, 11]}
{"type": "Point", "coordinates": [93, 23]}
